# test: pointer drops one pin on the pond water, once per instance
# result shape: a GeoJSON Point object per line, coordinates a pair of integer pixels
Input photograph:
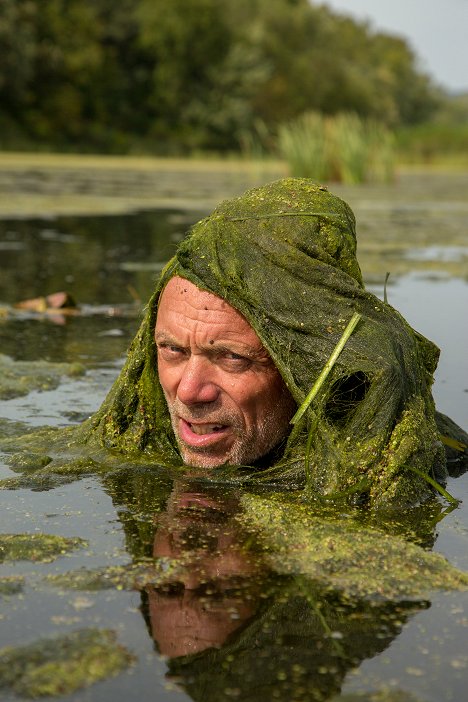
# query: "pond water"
{"type": "Point", "coordinates": [223, 623]}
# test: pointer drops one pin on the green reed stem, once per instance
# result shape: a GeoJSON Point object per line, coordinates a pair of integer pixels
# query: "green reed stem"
{"type": "Point", "coordinates": [327, 368]}
{"type": "Point", "coordinates": [435, 485]}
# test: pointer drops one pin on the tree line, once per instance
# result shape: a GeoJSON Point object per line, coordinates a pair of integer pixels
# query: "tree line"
{"type": "Point", "coordinates": [184, 75]}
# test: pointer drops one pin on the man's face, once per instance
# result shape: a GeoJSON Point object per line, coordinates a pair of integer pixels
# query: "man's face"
{"type": "Point", "coordinates": [227, 401]}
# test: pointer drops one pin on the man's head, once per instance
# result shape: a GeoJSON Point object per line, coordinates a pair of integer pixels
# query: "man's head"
{"type": "Point", "coordinates": [228, 402]}
{"type": "Point", "coordinates": [274, 280]}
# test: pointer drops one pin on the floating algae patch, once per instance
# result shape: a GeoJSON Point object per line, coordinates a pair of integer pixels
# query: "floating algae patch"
{"type": "Point", "coordinates": [354, 561]}
{"type": "Point", "coordinates": [42, 548]}
{"type": "Point", "coordinates": [11, 585]}
{"type": "Point", "coordinates": [64, 664]}
{"type": "Point", "coordinates": [50, 476]}
{"type": "Point", "coordinates": [27, 461]}
{"type": "Point", "coordinates": [377, 696]}
{"type": "Point", "coordinates": [10, 428]}
{"type": "Point", "coordinates": [18, 378]}
{"type": "Point", "coordinates": [47, 458]}
{"type": "Point", "coordinates": [135, 576]}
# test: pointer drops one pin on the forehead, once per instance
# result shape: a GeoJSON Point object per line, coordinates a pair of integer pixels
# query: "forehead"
{"type": "Point", "coordinates": [184, 306]}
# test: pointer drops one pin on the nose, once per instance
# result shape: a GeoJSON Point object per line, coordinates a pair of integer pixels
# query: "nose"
{"type": "Point", "coordinates": [196, 385]}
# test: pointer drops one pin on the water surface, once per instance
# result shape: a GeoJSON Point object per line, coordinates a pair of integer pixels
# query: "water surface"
{"type": "Point", "coordinates": [224, 626]}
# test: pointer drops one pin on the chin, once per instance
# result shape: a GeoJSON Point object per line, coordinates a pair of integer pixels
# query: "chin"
{"type": "Point", "coordinates": [198, 460]}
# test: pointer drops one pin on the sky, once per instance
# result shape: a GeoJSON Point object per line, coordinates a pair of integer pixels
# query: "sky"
{"type": "Point", "coordinates": [436, 30]}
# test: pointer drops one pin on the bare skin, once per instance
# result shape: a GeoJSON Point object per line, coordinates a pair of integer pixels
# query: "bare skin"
{"type": "Point", "coordinates": [228, 402]}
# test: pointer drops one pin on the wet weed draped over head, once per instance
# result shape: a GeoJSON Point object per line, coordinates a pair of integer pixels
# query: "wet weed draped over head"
{"type": "Point", "coordinates": [284, 256]}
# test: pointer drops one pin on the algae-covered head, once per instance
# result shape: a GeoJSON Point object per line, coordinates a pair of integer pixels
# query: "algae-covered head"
{"type": "Point", "coordinates": [241, 323]}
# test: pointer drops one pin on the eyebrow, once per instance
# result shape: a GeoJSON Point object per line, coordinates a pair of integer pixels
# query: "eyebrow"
{"type": "Point", "coordinates": [217, 347]}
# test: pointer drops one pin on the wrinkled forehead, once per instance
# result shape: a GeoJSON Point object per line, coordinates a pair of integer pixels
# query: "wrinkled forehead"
{"type": "Point", "coordinates": [182, 304]}
{"type": "Point", "coordinates": [182, 291]}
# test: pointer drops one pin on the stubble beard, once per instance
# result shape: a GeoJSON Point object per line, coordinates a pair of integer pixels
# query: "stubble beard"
{"type": "Point", "coordinates": [249, 444]}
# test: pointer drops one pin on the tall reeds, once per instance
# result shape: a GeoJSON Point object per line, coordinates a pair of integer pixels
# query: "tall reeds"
{"type": "Point", "coordinates": [304, 145]}
{"type": "Point", "coordinates": [344, 148]}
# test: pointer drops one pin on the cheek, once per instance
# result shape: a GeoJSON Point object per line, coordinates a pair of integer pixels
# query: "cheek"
{"type": "Point", "coordinates": [256, 396]}
{"type": "Point", "coordinates": [168, 377]}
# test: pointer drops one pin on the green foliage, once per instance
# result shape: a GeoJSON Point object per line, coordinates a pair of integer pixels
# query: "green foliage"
{"type": "Point", "coordinates": [434, 142]}
{"type": "Point", "coordinates": [191, 74]}
{"type": "Point", "coordinates": [343, 148]}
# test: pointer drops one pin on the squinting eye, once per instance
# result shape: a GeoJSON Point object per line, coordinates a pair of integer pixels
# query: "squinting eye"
{"type": "Point", "coordinates": [234, 361]}
{"type": "Point", "coordinates": [235, 357]}
{"type": "Point", "coordinates": [169, 351]}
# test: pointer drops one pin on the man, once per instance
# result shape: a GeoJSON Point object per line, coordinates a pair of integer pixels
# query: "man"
{"type": "Point", "coordinates": [241, 324]}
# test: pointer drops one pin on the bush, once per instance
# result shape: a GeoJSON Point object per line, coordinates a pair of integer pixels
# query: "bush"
{"type": "Point", "coordinates": [434, 142]}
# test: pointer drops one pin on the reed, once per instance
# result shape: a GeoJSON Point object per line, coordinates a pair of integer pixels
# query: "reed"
{"type": "Point", "coordinates": [303, 144]}
{"type": "Point", "coordinates": [344, 148]}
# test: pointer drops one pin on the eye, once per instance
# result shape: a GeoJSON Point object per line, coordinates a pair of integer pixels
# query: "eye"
{"type": "Point", "coordinates": [170, 352]}
{"type": "Point", "coordinates": [234, 362]}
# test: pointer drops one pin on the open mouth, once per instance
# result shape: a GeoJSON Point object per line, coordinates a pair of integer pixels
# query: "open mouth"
{"type": "Point", "coordinates": [201, 434]}
{"type": "Point", "coordinates": [202, 429]}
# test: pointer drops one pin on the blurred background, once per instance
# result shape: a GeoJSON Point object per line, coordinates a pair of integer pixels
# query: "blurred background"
{"type": "Point", "coordinates": [259, 78]}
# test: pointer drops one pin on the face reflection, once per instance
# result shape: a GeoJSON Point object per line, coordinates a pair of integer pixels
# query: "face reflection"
{"type": "Point", "coordinates": [211, 596]}
{"type": "Point", "coordinates": [227, 401]}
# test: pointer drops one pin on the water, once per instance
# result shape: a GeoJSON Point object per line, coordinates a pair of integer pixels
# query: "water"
{"type": "Point", "coordinates": [226, 626]}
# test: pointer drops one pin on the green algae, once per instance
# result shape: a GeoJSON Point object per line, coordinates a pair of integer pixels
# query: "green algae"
{"type": "Point", "coordinates": [377, 696]}
{"type": "Point", "coordinates": [10, 428]}
{"type": "Point", "coordinates": [356, 561]}
{"type": "Point", "coordinates": [19, 378]}
{"type": "Point", "coordinates": [49, 457]}
{"type": "Point", "coordinates": [11, 585]}
{"type": "Point", "coordinates": [134, 576]}
{"type": "Point", "coordinates": [63, 665]}
{"type": "Point", "coordinates": [27, 461]}
{"type": "Point", "coordinates": [42, 548]}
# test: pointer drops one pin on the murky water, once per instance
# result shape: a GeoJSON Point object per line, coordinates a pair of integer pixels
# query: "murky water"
{"type": "Point", "coordinates": [225, 624]}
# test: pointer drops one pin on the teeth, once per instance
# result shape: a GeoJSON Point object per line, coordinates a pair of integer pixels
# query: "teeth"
{"type": "Point", "coordinates": [205, 428]}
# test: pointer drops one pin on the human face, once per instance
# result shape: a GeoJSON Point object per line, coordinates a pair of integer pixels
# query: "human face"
{"type": "Point", "coordinates": [227, 401]}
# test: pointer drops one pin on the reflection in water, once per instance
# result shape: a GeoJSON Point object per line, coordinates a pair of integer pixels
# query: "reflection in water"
{"type": "Point", "coordinates": [229, 627]}
{"type": "Point", "coordinates": [102, 261]}
{"type": "Point", "coordinates": [95, 258]}
{"type": "Point", "coordinates": [214, 594]}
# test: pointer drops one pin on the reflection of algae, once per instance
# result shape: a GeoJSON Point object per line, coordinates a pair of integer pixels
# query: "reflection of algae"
{"type": "Point", "coordinates": [21, 377]}
{"type": "Point", "coordinates": [36, 547]}
{"type": "Point", "coordinates": [356, 561]}
{"type": "Point", "coordinates": [62, 665]}
{"type": "Point", "coordinates": [299, 646]}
